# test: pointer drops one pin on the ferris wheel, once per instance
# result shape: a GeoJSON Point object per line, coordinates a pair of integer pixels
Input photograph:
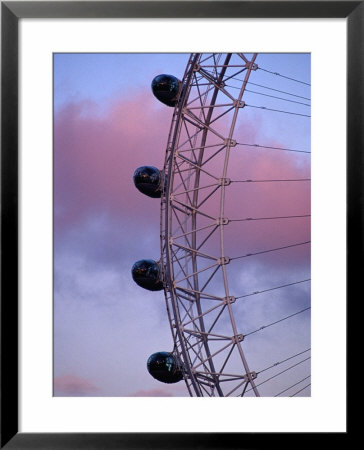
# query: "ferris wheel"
{"type": "Point", "coordinates": [206, 240]}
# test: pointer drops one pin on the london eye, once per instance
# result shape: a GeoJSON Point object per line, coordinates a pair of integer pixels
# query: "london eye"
{"type": "Point", "coordinates": [211, 228]}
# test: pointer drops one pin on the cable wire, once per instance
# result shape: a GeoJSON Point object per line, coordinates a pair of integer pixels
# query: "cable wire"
{"type": "Point", "coordinates": [274, 288]}
{"type": "Point", "coordinates": [277, 90]}
{"type": "Point", "coordinates": [269, 181]}
{"type": "Point", "coordinates": [284, 76]}
{"type": "Point", "coordinates": [269, 218]}
{"type": "Point", "coordinates": [270, 250]}
{"type": "Point", "coordinates": [273, 148]}
{"type": "Point", "coordinates": [277, 321]}
{"type": "Point", "coordinates": [280, 373]}
{"type": "Point", "coordinates": [300, 390]}
{"type": "Point", "coordinates": [267, 95]}
{"type": "Point", "coordinates": [284, 360]}
{"type": "Point", "coordinates": [272, 89]}
{"type": "Point", "coordinates": [293, 385]}
{"type": "Point", "coordinates": [279, 98]}
{"type": "Point", "coordinates": [278, 110]}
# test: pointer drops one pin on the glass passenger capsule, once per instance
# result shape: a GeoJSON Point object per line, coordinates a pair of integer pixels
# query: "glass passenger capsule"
{"type": "Point", "coordinates": [146, 274]}
{"type": "Point", "coordinates": [163, 367]}
{"type": "Point", "coordinates": [166, 88]}
{"type": "Point", "coordinates": [148, 180]}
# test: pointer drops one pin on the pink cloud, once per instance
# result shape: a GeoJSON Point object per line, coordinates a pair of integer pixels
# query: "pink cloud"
{"type": "Point", "coordinates": [151, 393]}
{"type": "Point", "coordinates": [95, 157]}
{"type": "Point", "coordinates": [73, 386]}
{"type": "Point", "coordinates": [166, 390]}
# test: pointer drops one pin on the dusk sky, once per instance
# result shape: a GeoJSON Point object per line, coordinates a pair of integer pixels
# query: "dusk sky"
{"type": "Point", "coordinates": [106, 124]}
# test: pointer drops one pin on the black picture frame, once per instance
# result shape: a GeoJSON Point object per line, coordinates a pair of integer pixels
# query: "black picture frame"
{"type": "Point", "coordinates": [11, 12]}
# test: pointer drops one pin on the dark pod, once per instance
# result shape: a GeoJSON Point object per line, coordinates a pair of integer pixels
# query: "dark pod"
{"type": "Point", "coordinates": [163, 367]}
{"type": "Point", "coordinates": [166, 89]}
{"type": "Point", "coordinates": [148, 180]}
{"type": "Point", "coordinates": [146, 274]}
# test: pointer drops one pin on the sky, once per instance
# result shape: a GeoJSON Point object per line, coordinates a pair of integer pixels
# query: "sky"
{"type": "Point", "coordinates": [106, 124]}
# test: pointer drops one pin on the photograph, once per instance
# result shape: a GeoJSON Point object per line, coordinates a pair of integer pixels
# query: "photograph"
{"type": "Point", "coordinates": [182, 224]}
{"type": "Point", "coordinates": [179, 220]}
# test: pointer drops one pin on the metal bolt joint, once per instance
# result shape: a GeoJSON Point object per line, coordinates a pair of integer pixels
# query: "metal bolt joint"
{"type": "Point", "coordinates": [230, 142]}
{"type": "Point", "coordinates": [238, 104]}
{"type": "Point", "coordinates": [251, 66]}
{"type": "Point", "coordinates": [222, 221]}
{"type": "Point", "coordinates": [224, 181]}
{"type": "Point", "coordinates": [238, 338]}
{"type": "Point", "coordinates": [224, 260]}
{"type": "Point", "coordinates": [230, 299]}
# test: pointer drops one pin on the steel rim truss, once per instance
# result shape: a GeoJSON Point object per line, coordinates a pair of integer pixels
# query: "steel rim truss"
{"type": "Point", "coordinates": [192, 228]}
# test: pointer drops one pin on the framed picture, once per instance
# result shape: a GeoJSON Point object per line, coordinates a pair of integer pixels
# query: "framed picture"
{"type": "Point", "coordinates": [35, 35]}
